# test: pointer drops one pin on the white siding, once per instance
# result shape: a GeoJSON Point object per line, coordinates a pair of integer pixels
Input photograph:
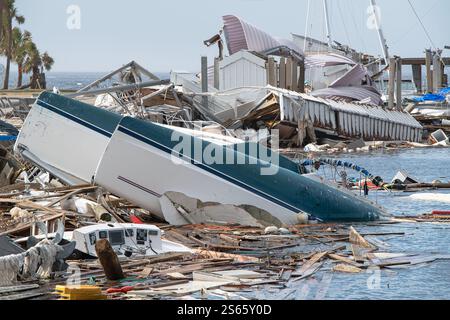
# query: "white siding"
{"type": "Point", "coordinates": [241, 70]}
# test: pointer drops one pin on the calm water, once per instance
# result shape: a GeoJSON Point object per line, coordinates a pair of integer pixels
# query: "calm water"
{"type": "Point", "coordinates": [425, 165]}
{"type": "Point", "coordinates": [430, 281]}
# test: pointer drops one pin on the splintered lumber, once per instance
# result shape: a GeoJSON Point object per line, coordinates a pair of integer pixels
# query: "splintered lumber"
{"type": "Point", "coordinates": [345, 260]}
{"type": "Point", "coordinates": [83, 189]}
{"type": "Point", "coordinates": [359, 253]}
{"type": "Point", "coordinates": [356, 238]}
{"type": "Point", "coordinates": [109, 260]}
{"type": "Point", "coordinates": [310, 266]}
{"type": "Point", "coordinates": [208, 254]}
{"type": "Point", "coordinates": [315, 258]}
{"type": "Point", "coordinates": [346, 268]}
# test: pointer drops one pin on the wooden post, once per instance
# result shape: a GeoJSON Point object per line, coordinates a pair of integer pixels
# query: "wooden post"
{"type": "Point", "coordinates": [282, 73]}
{"type": "Point", "coordinates": [271, 72]}
{"type": "Point", "coordinates": [205, 80]}
{"type": "Point", "coordinates": [391, 88]}
{"type": "Point", "coordinates": [109, 260]}
{"type": "Point", "coordinates": [399, 83]}
{"type": "Point", "coordinates": [217, 73]}
{"type": "Point", "coordinates": [301, 78]}
{"type": "Point", "coordinates": [437, 77]}
{"type": "Point", "coordinates": [294, 76]}
{"type": "Point", "coordinates": [428, 62]}
{"type": "Point", "coordinates": [289, 73]}
{"type": "Point", "coordinates": [417, 76]}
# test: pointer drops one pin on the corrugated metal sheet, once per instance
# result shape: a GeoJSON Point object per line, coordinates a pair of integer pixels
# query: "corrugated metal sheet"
{"type": "Point", "coordinates": [327, 60]}
{"type": "Point", "coordinates": [354, 77]}
{"type": "Point", "coordinates": [349, 119]}
{"type": "Point", "coordinates": [241, 35]}
{"type": "Point", "coordinates": [355, 93]}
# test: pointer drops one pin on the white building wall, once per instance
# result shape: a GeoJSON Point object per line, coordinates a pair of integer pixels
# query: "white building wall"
{"type": "Point", "coordinates": [241, 70]}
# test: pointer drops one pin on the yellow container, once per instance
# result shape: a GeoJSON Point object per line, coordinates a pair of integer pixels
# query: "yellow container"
{"type": "Point", "coordinates": [80, 292]}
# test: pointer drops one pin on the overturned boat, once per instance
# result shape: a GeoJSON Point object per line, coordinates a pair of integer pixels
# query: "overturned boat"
{"type": "Point", "coordinates": [143, 162]}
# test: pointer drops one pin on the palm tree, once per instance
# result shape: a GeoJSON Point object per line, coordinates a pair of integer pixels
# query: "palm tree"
{"type": "Point", "coordinates": [9, 15]}
{"type": "Point", "coordinates": [22, 43]}
{"type": "Point", "coordinates": [35, 63]}
{"type": "Point", "coordinates": [32, 63]}
{"type": "Point", "coordinates": [47, 62]}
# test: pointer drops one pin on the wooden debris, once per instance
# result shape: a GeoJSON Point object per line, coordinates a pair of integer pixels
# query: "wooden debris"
{"type": "Point", "coordinates": [345, 260]}
{"type": "Point", "coordinates": [108, 259]}
{"type": "Point", "coordinates": [346, 268]}
{"type": "Point", "coordinates": [356, 238]}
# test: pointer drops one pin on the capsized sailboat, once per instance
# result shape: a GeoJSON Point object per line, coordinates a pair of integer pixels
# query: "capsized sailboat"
{"type": "Point", "coordinates": [143, 161]}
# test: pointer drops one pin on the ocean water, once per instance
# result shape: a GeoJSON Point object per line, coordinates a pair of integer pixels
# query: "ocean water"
{"type": "Point", "coordinates": [69, 80]}
{"type": "Point", "coordinates": [421, 282]}
{"type": "Point", "coordinates": [423, 164]}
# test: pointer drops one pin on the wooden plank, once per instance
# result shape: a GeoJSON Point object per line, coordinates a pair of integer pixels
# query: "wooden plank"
{"type": "Point", "coordinates": [391, 84]}
{"type": "Point", "coordinates": [398, 95]}
{"type": "Point", "coordinates": [315, 258]}
{"type": "Point", "coordinates": [437, 77]}
{"type": "Point", "coordinates": [294, 80]}
{"type": "Point", "coordinates": [289, 63]}
{"type": "Point", "coordinates": [346, 268]}
{"type": "Point", "coordinates": [301, 78]}
{"type": "Point", "coordinates": [356, 238]}
{"type": "Point", "coordinates": [70, 194]}
{"type": "Point", "coordinates": [282, 73]}
{"type": "Point", "coordinates": [345, 260]}
{"type": "Point", "coordinates": [271, 72]}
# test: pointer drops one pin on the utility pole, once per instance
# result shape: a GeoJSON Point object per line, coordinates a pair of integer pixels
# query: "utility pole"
{"type": "Point", "coordinates": [383, 42]}
{"type": "Point", "coordinates": [327, 23]}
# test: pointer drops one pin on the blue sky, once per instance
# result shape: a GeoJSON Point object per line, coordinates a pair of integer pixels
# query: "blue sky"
{"type": "Point", "coordinates": [168, 35]}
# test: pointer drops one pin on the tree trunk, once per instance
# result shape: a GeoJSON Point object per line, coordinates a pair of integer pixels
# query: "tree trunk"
{"type": "Point", "coordinates": [8, 53]}
{"type": "Point", "coordinates": [19, 75]}
{"type": "Point", "coordinates": [34, 82]}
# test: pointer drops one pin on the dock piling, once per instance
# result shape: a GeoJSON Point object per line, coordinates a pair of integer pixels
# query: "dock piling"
{"type": "Point", "coordinates": [204, 63]}
{"type": "Point", "coordinates": [392, 67]}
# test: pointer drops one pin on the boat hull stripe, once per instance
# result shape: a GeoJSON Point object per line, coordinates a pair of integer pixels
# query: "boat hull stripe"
{"type": "Point", "coordinates": [136, 185]}
{"type": "Point", "coordinates": [73, 118]}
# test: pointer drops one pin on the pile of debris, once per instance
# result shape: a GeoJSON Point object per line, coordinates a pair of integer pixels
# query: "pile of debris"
{"type": "Point", "coordinates": [229, 262]}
